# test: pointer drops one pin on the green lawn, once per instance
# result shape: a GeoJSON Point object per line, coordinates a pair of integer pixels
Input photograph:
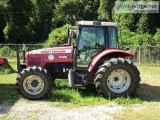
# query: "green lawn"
{"type": "Point", "coordinates": [148, 95]}
{"type": "Point", "coordinates": [61, 95]}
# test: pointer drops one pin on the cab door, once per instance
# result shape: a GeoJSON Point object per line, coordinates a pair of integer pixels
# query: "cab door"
{"type": "Point", "coordinates": [91, 41]}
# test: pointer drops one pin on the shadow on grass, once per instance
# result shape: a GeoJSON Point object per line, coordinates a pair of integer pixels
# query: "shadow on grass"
{"type": "Point", "coordinates": [65, 94]}
{"type": "Point", "coordinates": [149, 93]}
{"type": "Point", "coordinates": [62, 93]}
{"type": "Point", "coordinates": [8, 97]}
{"type": "Point", "coordinates": [89, 91]}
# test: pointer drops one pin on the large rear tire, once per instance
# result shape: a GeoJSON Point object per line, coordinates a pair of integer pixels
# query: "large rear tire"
{"type": "Point", "coordinates": [34, 83]}
{"type": "Point", "coordinates": [117, 78]}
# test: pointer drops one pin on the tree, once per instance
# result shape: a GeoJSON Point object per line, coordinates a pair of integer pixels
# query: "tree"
{"type": "Point", "coordinates": [105, 10]}
{"type": "Point", "coordinates": [127, 21]}
{"type": "Point", "coordinates": [90, 9]}
{"type": "Point", "coordinates": [143, 24]}
{"type": "Point", "coordinates": [157, 37]}
{"type": "Point", "coordinates": [32, 24]}
{"type": "Point", "coordinates": [67, 11]}
{"type": "Point", "coordinates": [3, 7]}
{"type": "Point", "coordinates": [17, 24]}
{"type": "Point", "coordinates": [41, 22]}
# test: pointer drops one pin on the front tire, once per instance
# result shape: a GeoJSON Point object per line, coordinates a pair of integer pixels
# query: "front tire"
{"type": "Point", "coordinates": [34, 83]}
{"type": "Point", "coordinates": [117, 78]}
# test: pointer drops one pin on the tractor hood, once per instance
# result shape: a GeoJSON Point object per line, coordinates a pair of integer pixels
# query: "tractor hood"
{"type": "Point", "coordinates": [41, 57]}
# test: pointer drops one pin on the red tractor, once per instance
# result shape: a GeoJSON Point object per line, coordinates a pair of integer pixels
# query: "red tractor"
{"type": "Point", "coordinates": [3, 63]}
{"type": "Point", "coordinates": [90, 57]}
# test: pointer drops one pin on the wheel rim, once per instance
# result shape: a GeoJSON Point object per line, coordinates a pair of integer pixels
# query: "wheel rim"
{"type": "Point", "coordinates": [118, 81]}
{"type": "Point", "coordinates": [33, 84]}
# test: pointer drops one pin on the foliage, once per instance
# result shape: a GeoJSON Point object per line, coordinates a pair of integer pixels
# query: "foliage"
{"type": "Point", "coordinates": [6, 51]}
{"type": "Point", "coordinates": [105, 10]}
{"type": "Point", "coordinates": [143, 24]}
{"type": "Point", "coordinates": [30, 21]}
{"type": "Point", "coordinates": [90, 9]}
{"type": "Point", "coordinates": [143, 39]}
{"type": "Point", "coordinates": [31, 24]}
{"type": "Point", "coordinates": [3, 5]}
{"type": "Point", "coordinates": [67, 11]}
{"type": "Point", "coordinates": [157, 37]}
{"type": "Point", "coordinates": [132, 38]}
{"type": "Point", "coordinates": [127, 21]}
{"type": "Point", "coordinates": [58, 36]}
{"type": "Point", "coordinates": [124, 37]}
{"type": "Point", "coordinates": [6, 69]}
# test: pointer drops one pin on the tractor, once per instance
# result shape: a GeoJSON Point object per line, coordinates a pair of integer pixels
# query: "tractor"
{"type": "Point", "coordinates": [91, 56]}
{"type": "Point", "coordinates": [3, 63]}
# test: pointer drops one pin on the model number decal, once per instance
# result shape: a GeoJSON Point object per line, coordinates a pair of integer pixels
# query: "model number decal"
{"type": "Point", "coordinates": [63, 56]}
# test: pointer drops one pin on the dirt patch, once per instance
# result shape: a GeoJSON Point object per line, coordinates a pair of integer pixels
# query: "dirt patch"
{"type": "Point", "coordinates": [42, 111]}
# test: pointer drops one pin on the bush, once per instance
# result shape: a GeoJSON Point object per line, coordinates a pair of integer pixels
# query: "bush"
{"type": "Point", "coordinates": [6, 51]}
{"type": "Point", "coordinates": [6, 69]}
{"type": "Point", "coordinates": [135, 39]}
{"type": "Point", "coordinates": [143, 39]}
{"type": "Point", "coordinates": [157, 37]}
{"type": "Point", "coordinates": [58, 36]}
{"type": "Point", "coordinates": [126, 36]}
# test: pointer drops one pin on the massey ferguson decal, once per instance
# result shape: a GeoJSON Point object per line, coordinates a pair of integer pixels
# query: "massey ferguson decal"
{"type": "Point", "coordinates": [55, 51]}
{"type": "Point", "coordinates": [51, 51]}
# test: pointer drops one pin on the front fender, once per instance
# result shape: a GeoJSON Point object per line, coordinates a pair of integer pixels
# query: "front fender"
{"type": "Point", "coordinates": [108, 52]}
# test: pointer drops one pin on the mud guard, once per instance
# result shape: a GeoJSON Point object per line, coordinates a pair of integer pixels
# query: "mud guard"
{"type": "Point", "coordinates": [96, 58]}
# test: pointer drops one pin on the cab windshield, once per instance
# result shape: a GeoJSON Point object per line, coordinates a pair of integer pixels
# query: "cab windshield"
{"type": "Point", "coordinates": [104, 37]}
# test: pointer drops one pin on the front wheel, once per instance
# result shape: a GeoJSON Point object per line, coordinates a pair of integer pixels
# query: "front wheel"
{"type": "Point", "coordinates": [117, 78]}
{"type": "Point", "coordinates": [34, 83]}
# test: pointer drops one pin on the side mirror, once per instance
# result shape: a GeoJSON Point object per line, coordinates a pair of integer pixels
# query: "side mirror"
{"type": "Point", "coordinates": [74, 35]}
{"type": "Point", "coordinates": [67, 32]}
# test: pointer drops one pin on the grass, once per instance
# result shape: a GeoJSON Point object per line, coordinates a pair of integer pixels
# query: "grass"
{"type": "Point", "coordinates": [5, 117]}
{"type": "Point", "coordinates": [149, 93]}
{"type": "Point", "coordinates": [146, 111]}
{"type": "Point", "coordinates": [61, 95]}
{"type": "Point", "coordinates": [147, 97]}
{"type": "Point", "coordinates": [150, 83]}
{"type": "Point", "coordinates": [64, 96]}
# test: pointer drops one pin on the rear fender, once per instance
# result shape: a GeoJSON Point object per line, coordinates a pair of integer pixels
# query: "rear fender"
{"type": "Point", "coordinates": [108, 53]}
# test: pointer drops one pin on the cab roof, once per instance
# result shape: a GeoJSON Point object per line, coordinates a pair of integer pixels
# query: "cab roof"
{"type": "Point", "coordinates": [96, 23]}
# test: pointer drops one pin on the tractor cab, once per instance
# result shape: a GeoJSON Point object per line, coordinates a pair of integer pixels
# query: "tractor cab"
{"type": "Point", "coordinates": [90, 38]}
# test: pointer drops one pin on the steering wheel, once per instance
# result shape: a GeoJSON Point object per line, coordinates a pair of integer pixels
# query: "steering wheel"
{"type": "Point", "coordinates": [86, 46]}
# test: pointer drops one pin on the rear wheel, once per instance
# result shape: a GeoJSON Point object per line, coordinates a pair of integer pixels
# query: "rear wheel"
{"type": "Point", "coordinates": [34, 83]}
{"type": "Point", "coordinates": [117, 78]}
